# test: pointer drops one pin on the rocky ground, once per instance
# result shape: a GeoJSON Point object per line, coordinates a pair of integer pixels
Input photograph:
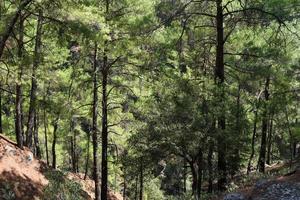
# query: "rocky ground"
{"type": "Point", "coordinates": [285, 187]}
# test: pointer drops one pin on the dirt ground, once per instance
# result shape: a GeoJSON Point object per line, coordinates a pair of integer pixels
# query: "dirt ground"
{"type": "Point", "coordinates": [22, 172]}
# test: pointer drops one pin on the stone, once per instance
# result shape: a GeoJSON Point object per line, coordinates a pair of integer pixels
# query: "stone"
{"type": "Point", "coordinates": [259, 184]}
{"type": "Point", "coordinates": [10, 150]}
{"type": "Point", "coordinates": [281, 191]}
{"type": "Point", "coordinates": [234, 196]}
{"type": "Point", "coordinates": [29, 157]}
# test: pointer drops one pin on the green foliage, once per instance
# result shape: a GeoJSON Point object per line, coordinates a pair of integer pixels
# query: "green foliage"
{"type": "Point", "coordinates": [6, 191]}
{"type": "Point", "coordinates": [153, 191]}
{"type": "Point", "coordinates": [163, 101]}
{"type": "Point", "coordinates": [60, 187]}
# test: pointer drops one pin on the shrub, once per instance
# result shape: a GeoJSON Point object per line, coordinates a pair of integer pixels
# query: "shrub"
{"type": "Point", "coordinates": [7, 192]}
{"type": "Point", "coordinates": [61, 188]}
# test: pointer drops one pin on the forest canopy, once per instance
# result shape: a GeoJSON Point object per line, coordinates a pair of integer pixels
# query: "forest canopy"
{"type": "Point", "coordinates": [154, 99]}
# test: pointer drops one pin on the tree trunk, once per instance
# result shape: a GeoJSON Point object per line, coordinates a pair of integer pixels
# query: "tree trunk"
{"type": "Point", "coordinates": [253, 141]}
{"type": "Point", "coordinates": [210, 167]}
{"type": "Point", "coordinates": [194, 180]}
{"type": "Point", "coordinates": [200, 171]}
{"type": "Point", "coordinates": [136, 187]}
{"type": "Point", "coordinates": [220, 78]}
{"type": "Point", "coordinates": [180, 49]}
{"type": "Point", "coordinates": [94, 126]}
{"type": "Point", "coordinates": [76, 153]}
{"type": "Point", "coordinates": [236, 157]}
{"type": "Point", "coordinates": [104, 71]}
{"type": "Point", "coordinates": [295, 149]}
{"type": "Point", "coordinates": [33, 97]}
{"type": "Point", "coordinates": [45, 133]}
{"type": "Point", "coordinates": [104, 169]}
{"type": "Point", "coordinates": [10, 26]}
{"type": "Point", "coordinates": [141, 179]}
{"type": "Point", "coordinates": [262, 153]}
{"type": "Point", "coordinates": [270, 136]}
{"type": "Point", "coordinates": [19, 98]}
{"type": "Point", "coordinates": [73, 147]}
{"type": "Point", "coordinates": [184, 174]}
{"type": "Point", "coordinates": [37, 148]}
{"type": "Point", "coordinates": [291, 137]}
{"type": "Point", "coordinates": [72, 160]}
{"type": "Point", "coordinates": [295, 144]}
{"type": "Point", "coordinates": [87, 156]}
{"type": "Point", "coordinates": [55, 127]}
{"type": "Point", "coordinates": [219, 70]}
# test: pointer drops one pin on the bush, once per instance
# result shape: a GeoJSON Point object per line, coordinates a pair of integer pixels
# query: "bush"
{"type": "Point", "coordinates": [7, 192]}
{"type": "Point", "coordinates": [152, 190]}
{"type": "Point", "coordinates": [61, 188]}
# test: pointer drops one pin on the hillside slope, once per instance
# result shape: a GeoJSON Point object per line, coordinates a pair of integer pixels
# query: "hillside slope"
{"type": "Point", "coordinates": [23, 177]}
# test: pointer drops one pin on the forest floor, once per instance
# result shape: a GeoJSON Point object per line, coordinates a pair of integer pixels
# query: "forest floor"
{"type": "Point", "coordinates": [281, 182]}
{"type": "Point", "coordinates": [23, 177]}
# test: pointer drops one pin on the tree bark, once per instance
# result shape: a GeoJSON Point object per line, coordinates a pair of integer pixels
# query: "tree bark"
{"type": "Point", "coordinates": [210, 167]}
{"type": "Point", "coordinates": [291, 137]}
{"type": "Point", "coordinates": [200, 171]}
{"type": "Point", "coordinates": [10, 26]}
{"type": "Point", "coordinates": [220, 78]}
{"type": "Point", "coordinates": [136, 187]}
{"type": "Point", "coordinates": [295, 149]}
{"type": "Point", "coordinates": [253, 141]}
{"type": "Point", "coordinates": [194, 180]}
{"type": "Point", "coordinates": [295, 144]}
{"type": "Point", "coordinates": [104, 71]}
{"type": "Point", "coordinates": [73, 147]}
{"type": "Point", "coordinates": [236, 157]}
{"type": "Point", "coordinates": [87, 156]}
{"type": "Point", "coordinates": [55, 127]}
{"type": "Point", "coordinates": [270, 136]}
{"type": "Point", "coordinates": [184, 174]}
{"type": "Point", "coordinates": [219, 70]}
{"type": "Point", "coordinates": [19, 93]}
{"type": "Point", "coordinates": [180, 49]}
{"type": "Point", "coordinates": [141, 179]}
{"type": "Point", "coordinates": [70, 152]}
{"type": "Point", "coordinates": [94, 125]}
{"type": "Point", "coordinates": [45, 133]}
{"type": "Point", "coordinates": [262, 153]}
{"type": "Point", "coordinates": [33, 97]}
{"type": "Point", "coordinates": [104, 169]}
{"type": "Point", "coordinates": [37, 149]}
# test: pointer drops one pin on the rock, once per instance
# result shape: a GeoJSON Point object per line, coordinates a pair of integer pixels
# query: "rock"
{"type": "Point", "coordinates": [259, 184]}
{"type": "Point", "coordinates": [234, 196]}
{"type": "Point", "coordinates": [29, 157]}
{"type": "Point", "coordinates": [10, 150]}
{"type": "Point", "coordinates": [281, 191]}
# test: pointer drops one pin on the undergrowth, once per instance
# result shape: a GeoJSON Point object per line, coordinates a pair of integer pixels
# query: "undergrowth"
{"type": "Point", "coordinates": [7, 192]}
{"type": "Point", "coordinates": [61, 188]}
